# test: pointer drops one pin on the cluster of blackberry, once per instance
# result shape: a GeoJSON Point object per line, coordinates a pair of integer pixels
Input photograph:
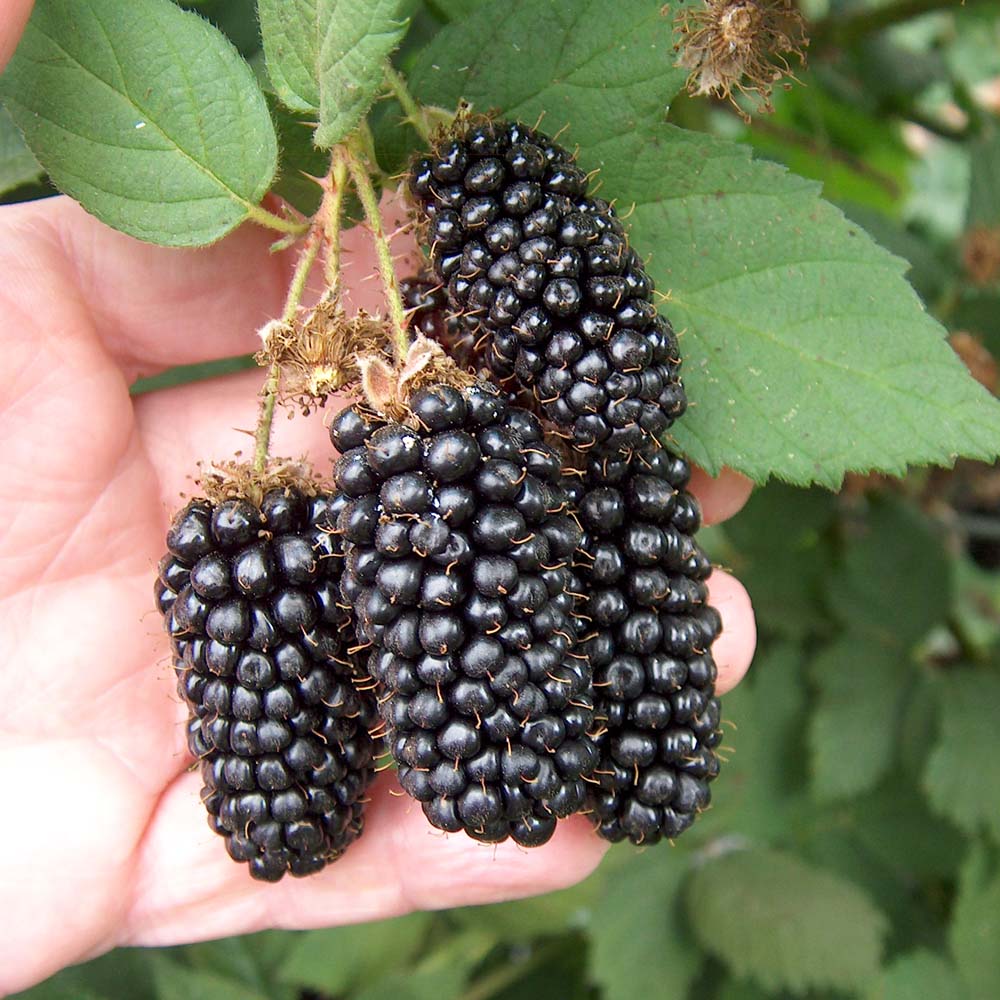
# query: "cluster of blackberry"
{"type": "Point", "coordinates": [523, 267]}
{"type": "Point", "coordinates": [250, 596]}
{"type": "Point", "coordinates": [546, 271]}
{"type": "Point", "coordinates": [532, 620]}
{"type": "Point", "coordinates": [458, 540]}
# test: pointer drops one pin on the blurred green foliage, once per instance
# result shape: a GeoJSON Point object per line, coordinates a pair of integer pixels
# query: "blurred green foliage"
{"type": "Point", "coordinates": [853, 846]}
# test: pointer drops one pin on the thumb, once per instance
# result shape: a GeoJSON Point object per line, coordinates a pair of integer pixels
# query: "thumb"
{"type": "Point", "coordinates": [13, 17]}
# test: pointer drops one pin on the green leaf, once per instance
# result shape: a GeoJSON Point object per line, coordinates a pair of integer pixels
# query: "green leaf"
{"type": "Point", "coordinates": [328, 56]}
{"type": "Point", "coordinates": [642, 947]}
{"type": "Point", "coordinates": [176, 982]}
{"type": "Point", "coordinates": [740, 989]}
{"type": "Point", "coordinates": [17, 165]}
{"type": "Point", "coordinates": [145, 114]}
{"type": "Point", "coordinates": [806, 353]}
{"type": "Point", "coordinates": [975, 926]}
{"type": "Point", "coordinates": [762, 789]}
{"type": "Point", "coordinates": [895, 580]}
{"type": "Point", "coordinates": [251, 958]}
{"type": "Point", "coordinates": [783, 556]}
{"type": "Point", "coordinates": [342, 958]}
{"type": "Point", "coordinates": [962, 779]}
{"type": "Point", "coordinates": [916, 976]}
{"type": "Point", "coordinates": [787, 925]}
{"type": "Point", "coordinates": [441, 975]}
{"type": "Point", "coordinates": [122, 974]}
{"type": "Point", "coordinates": [602, 69]}
{"type": "Point", "coordinates": [300, 160]}
{"type": "Point", "coordinates": [852, 731]}
{"type": "Point", "coordinates": [551, 913]}
{"type": "Point", "coordinates": [895, 825]}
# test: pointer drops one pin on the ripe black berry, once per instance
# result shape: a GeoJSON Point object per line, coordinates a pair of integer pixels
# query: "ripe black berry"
{"type": "Point", "coordinates": [535, 273]}
{"type": "Point", "coordinates": [250, 597]}
{"type": "Point", "coordinates": [649, 648]}
{"type": "Point", "coordinates": [470, 610]}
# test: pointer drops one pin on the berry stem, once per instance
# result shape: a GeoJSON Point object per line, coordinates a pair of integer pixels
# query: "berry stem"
{"type": "Point", "coordinates": [387, 271]}
{"type": "Point", "coordinates": [269, 394]}
{"type": "Point", "coordinates": [415, 114]}
{"type": "Point", "coordinates": [331, 214]}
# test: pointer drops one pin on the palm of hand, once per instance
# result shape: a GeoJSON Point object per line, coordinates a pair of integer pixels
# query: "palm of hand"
{"type": "Point", "coordinates": [107, 825]}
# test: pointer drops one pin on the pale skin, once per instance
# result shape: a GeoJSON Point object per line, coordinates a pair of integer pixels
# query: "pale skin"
{"type": "Point", "coordinates": [105, 842]}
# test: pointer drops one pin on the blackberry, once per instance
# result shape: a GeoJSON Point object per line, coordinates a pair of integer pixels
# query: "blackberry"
{"type": "Point", "coordinates": [250, 597]}
{"type": "Point", "coordinates": [546, 271]}
{"type": "Point", "coordinates": [458, 541]}
{"type": "Point", "coordinates": [654, 676]}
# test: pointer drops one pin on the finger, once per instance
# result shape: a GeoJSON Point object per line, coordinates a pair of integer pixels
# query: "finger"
{"type": "Point", "coordinates": [734, 648]}
{"type": "Point", "coordinates": [155, 307]}
{"type": "Point", "coordinates": [13, 18]}
{"type": "Point", "coordinates": [720, 496]}
{"type": "Point", "coordinates": [188, 888]}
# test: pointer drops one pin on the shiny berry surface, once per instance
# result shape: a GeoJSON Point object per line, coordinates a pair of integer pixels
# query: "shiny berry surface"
{"type": "Point", "coordinates": [262, 652]}
{"type": "Point", "coordinates": [466, 595]}
{"type": "Point", "coordinates": [535, 272]}
{"type": "Point", "coordinates": [649, 645]}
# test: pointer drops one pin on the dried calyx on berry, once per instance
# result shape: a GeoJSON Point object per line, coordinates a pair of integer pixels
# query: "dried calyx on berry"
{"type": "Point", "coordinates": [249, 590]}
{"type": "Point", "coordinates": [457, 541]}
{"type": "Point", "coordinates": [649, 645]}
{"type": "Point", "coordinates": [527, 257]}
{"type": "Point", "coordinates": [426, 301]}
{"type": "Point", "coordinates": [317, 355]}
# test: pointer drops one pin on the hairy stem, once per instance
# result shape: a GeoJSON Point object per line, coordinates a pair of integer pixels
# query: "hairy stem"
{"type": "Point", "coordinates": [265, 218]}
{"type": "Point", "coordinates": [269, 394]}
{"type": "Point", "coordinates": [414, 113]}
{"type": "Point", "coordinates": [386, 269]}
{"type": "Point", "coordinates": [332, 213]}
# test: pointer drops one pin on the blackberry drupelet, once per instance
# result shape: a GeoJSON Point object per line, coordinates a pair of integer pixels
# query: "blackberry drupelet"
{"type": "Point", "coordinates": [250, 597]}
{"type": "Point", "coordinates": [652, 631]}
{"type": "Point", "coordinates": [527, 257]}
{"type": "Point", "coordinates": [457, 543]}
{"type": "Point", "coordinates": [425, 298]}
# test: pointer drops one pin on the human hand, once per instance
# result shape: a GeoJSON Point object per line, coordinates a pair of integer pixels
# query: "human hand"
{"type": "Point", "coordinates": [106, 842]}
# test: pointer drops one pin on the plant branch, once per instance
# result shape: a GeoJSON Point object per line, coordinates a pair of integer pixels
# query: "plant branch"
{"type": "Point", "coordinates": [493, 982]}
{"type": "Point", "coordinates": [846, 30]}
{"type": "Point", "coordinates": [383, 252]}
{"type": "Point", "coordinates": [269, 394]}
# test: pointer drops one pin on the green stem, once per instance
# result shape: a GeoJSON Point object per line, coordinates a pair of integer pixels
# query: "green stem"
{"type": "Point", "coordinates": [503, 976]}
{"type": "Point", "coordinates": [414, 113]}
{"type": "Point", "coordinates": [265, 218]}
{"type": "Point", "coordinates": [332, 211]}
{"type": "Point", "coordinates": [269, 394]}
{"type": "Point", "coordinates": [845, 30]}
{"type": "Point", "coordinates": [383, 252]}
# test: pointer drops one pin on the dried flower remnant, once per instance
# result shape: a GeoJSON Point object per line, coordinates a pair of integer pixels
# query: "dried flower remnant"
{"type": "Point", "coordinates": [740, 45]}
{"type": "Point", "coordinates": [981, 255]}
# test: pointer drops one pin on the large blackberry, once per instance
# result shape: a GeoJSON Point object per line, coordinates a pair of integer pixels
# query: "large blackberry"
{"type": "Point", "coordinates": [547, 271]}
{"type": "Point", "coordinates": [457, 544]}
{"type": "Point", "coordinates": [251, 601]}
{"type": "Point", "coordinates": [649, 648]}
